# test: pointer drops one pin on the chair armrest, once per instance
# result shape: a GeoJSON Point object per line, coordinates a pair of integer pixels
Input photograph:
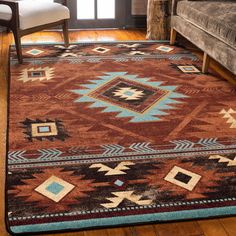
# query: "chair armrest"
{"type": "Point", "coordinates": [12, 4]}
{"type": "Point", "coordinates": [14, 21]}
{"type": "Point", "coordinates": [174, 6]}
{"type": "Point", "coordinates": [63, 2]}
{"type": "Point", "coordinates": [8, 2]}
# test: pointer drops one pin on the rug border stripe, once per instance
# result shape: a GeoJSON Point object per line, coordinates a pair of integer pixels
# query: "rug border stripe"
{"type": "Point", "coordinates": [123, 220]}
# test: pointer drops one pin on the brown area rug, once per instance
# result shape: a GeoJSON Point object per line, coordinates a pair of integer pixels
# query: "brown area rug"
{"type": "Point", "coordinates": [104, 134]}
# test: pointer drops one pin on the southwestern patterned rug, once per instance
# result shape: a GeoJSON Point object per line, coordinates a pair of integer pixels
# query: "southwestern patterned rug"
{"type": "Point", "coordinates": [117, 133]}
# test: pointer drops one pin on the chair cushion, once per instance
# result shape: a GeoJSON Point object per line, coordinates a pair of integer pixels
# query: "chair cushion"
{"type": "Point", "coordinates": [35, 13]}
{"type": "Point", "coordinates": [5, 12]}
{"type": "Point", "coordinates": [218, 18]}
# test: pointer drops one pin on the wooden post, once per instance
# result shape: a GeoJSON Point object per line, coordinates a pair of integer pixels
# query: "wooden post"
{"type": "Point", "coordinates": [206, 62]}
{"type": "Point", "coordinates": [173, 34]}
{"type": "Point", "coordinates": [158, 19]}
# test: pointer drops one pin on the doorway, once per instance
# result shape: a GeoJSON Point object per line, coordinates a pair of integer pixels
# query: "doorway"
{"type": "Point", "coordinates": [97, 14]}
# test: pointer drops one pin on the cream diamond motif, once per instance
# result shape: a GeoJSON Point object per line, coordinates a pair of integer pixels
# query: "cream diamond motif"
{"type": "Point", "coordinates": [101, 50]}
{"type": "Point", "coordinates": [34, 52]}
{"type": "Point", "coordinates": [44, 129]}
{"type": "Point", "coordinates": [183, 178]}
{"type": "Point", "coordinates": [128, 93]}
{"type": "Point", "coordinates": [165, 49]}
{"type": "Point", "coordinates": [54, 188]}
{"type": "Point", "coordinates": [189, 69]}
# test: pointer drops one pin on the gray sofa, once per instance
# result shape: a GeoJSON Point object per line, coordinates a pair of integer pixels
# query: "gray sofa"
{"type": "Point", "coordinates": [210, 25]}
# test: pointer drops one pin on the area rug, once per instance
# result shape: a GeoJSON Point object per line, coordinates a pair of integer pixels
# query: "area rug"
{"type": "Point", "coordinates": [106, 134]}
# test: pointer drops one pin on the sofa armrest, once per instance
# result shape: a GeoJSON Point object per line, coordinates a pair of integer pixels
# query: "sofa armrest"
{"type": "Point", "coordinates": [174, 6]}
{"type": "Point", "coordinates": [175, 2]}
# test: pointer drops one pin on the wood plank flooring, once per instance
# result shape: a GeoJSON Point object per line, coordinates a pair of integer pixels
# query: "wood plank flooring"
{"type": "Point", "coordinates": [212, 227]}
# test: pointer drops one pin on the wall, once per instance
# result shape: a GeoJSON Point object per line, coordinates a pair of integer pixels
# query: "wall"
{"type": "Point", "coordinates": [139, 7]}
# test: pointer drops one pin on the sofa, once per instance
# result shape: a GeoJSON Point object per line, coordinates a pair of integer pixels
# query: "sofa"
{"type": "Point", "coordinates": [210, 25]}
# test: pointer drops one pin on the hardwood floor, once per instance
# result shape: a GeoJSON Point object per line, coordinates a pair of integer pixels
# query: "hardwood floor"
{"type": "Point", "coordinates": [213, 227]}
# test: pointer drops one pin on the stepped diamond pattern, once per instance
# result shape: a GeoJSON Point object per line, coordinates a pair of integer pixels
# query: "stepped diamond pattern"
{"type": "Point", "coordinates": [130, 96]}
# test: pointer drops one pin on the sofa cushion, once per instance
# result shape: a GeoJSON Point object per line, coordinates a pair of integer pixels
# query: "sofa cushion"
{"type": "Point", "coordinates": [218, 18]}
{"type": "Point", "coordinates": [35, 13]}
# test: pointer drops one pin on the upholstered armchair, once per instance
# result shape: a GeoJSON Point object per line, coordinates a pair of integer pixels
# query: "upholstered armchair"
{"type": "Point", "coordinates": [210, 25]}
{"type": "Point", "coordinates": [26, 17]}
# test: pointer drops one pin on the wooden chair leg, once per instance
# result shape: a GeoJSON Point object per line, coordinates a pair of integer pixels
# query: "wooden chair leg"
{"type": "Point", "coordinates": [66, 33]}
{"type": "Point", "coordinates": [206, 62]}
{"type": "Point", "coordinates": [173, 34]}
{"type": "Point", "coordinates": [18, 45]}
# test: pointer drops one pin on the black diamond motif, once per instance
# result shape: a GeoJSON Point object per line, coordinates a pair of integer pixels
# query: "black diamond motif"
{"type": "Point", "coordinates": [61, 131]}
{"type": "Point", "coordinates": [183, 177]}
{"type": "Point", "coordinates": [101, 49]}
{"type": "Point", "coordinates": [110, 94]}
